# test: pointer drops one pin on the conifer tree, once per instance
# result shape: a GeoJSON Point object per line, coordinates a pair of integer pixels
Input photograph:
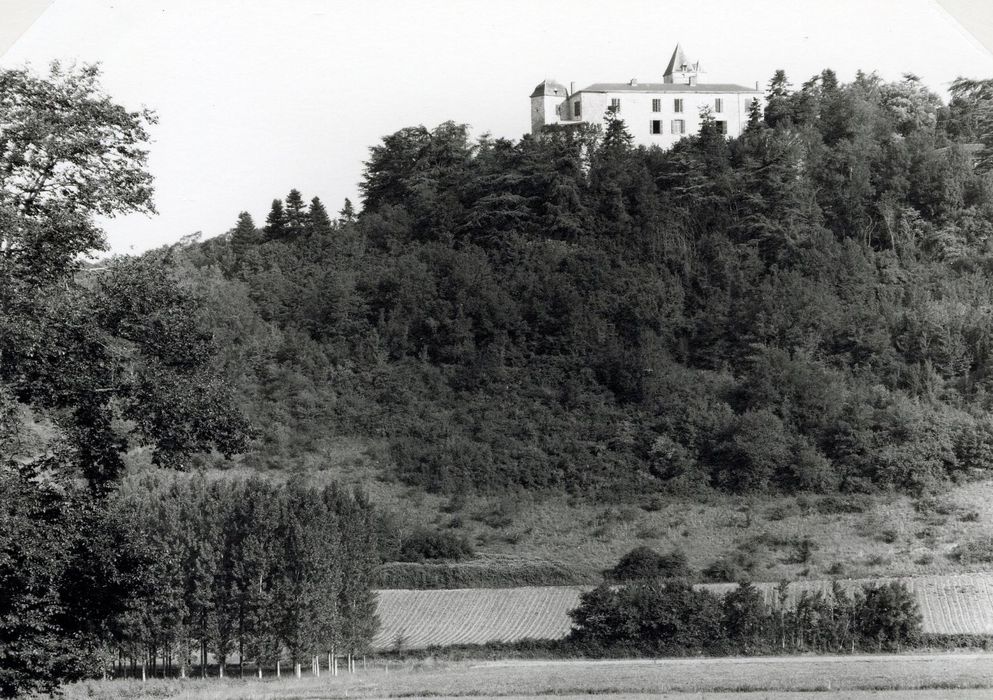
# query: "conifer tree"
{"type": "Point", "coordinates": [275, 222]}
{"type": "Point", "coordinates": [296, 214]}
{"type": "Point", "coordinates": [244, 234]}
{"type": "Point", "coordinates": [318, 221]}
{"type": "Point", "coordinates": [347, 213]}
{"type": "Point", "coordinates": [754, 116]}
{"type": "Point", "coordinates": [778, 108]}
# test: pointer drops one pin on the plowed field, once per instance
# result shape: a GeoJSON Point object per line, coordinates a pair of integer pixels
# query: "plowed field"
{"type": "Point", "coordinates": [958, 604]}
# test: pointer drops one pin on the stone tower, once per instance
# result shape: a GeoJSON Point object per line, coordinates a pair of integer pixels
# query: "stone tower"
{"type": "Point", "coordinates": [546, 100]}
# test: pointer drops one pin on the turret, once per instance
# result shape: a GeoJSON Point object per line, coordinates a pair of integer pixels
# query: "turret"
{"type": "Point", "coordinates": [546, 101]}
{"type": "Point", "coordinates": [680, 70]}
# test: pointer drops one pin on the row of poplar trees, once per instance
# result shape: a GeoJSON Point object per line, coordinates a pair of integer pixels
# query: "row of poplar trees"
{"type": "Point", "coordinates": [270, 572]}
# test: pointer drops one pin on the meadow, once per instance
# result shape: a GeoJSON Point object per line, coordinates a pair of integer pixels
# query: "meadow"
{"type": "Point", "coordinates": [921, 676]}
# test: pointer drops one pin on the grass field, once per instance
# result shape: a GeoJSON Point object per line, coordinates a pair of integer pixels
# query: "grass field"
{"type": "Point", "coordinates": [932, 676]}
{"type": "Point", "coordinates": [955, 604]}
{"type": "Point", "coordinates": [852, 536]}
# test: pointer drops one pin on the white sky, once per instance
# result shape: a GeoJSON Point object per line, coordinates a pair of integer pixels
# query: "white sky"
{"type": "Point", "coordinates": [257, 96]}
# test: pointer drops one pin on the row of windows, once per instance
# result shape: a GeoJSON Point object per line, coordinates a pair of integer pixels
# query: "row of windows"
{"type": "Point", "coordinates": [678, 126]}
{"type": "Point", "coordinates": [677, 106]}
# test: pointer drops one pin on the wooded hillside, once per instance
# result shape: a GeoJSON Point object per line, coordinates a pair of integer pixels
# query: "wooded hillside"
{"type": "Point", "coordinates": [806, 307]}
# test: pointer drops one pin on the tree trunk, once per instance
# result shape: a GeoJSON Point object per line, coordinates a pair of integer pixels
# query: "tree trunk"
{"type": "Point", "coordinates": [277, 669]}
{"type": "Point", "coordinates": [241, 658]}
{"type": "Point", "coordinates": [297, 671]}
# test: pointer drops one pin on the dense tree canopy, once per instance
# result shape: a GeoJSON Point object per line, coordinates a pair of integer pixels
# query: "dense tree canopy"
{"type": "Point", "coordinates": [93, 360]}
{"type": "Point", "coordinates": [804, 307]}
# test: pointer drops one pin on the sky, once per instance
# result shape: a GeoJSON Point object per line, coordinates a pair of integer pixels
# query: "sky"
{"type": "Point", "coordinates": [256, 97]}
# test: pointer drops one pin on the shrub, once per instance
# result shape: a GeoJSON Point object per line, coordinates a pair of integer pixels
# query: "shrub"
{"type": "Point", "coordinates": [644, 562]}
{"type": "Point", "coordinates": [803, 550]}
{"type": "Point", "coordinates": [722, 570]}
{"type": "Point", "coordinates": [424, 544]}
{"type": "Point", "coordinates": [777, 513]}
{"type": "Point", "coordinates": [841, 504]}
{"type": "Point", "coordinates": [931, 505]}
{"type": "Point", "coordinates": [889, 615]}
{"type": "Point", "coordinates": [477, 574]}
{"type": "Point", "coordinates": [976, 551]}
{"type": "Point", "coordinates": [971, 517]}
{"type": "Point", "coordinates": [648, 532]}
{"type": "Point", "coordinates": [500, 515]}
{"type": "Point", "coordinates": [653, 504]}
{"type": "Point", "coordinates": [889, 536]}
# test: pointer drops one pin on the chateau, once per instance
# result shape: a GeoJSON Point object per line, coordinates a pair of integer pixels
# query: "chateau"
{"type": "Point", "coordinates": [656, 114]}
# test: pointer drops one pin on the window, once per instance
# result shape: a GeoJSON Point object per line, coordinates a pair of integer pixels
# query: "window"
{"type": "Point", "coordinates": [576, 109]}
{"type": "Point", "coordinates": [656, 126]}
{"type": "Point", "coordinates": [615, 104]}
{"type": "Point", "coordinates": [678, 126]}
{"type": "Point", "coordinates": [657, 105]}
{"type": "Point", "coordinates": [718, 105]}
{"type": "Point", "coordinates": [722, 127]}
{"type": "Point", "coordinates": [677, 105]}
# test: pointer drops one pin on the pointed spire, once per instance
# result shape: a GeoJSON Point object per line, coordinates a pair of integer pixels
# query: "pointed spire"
{"type": "Point", "coordinates": [680, 69]}
{"type": "Point", "coordinates": [677, 61]}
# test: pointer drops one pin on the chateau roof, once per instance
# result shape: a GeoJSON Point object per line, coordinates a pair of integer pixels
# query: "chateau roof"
{"type": "Point", "coordinates": [550, 88]}
{"type": "Point", "coordinates": [677, 61]}
{"type": "Point", "coordinates": [668, 87]}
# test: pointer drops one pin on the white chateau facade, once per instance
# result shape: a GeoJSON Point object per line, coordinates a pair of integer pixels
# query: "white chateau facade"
{"type": "Point", "coordinates": [655, 114]}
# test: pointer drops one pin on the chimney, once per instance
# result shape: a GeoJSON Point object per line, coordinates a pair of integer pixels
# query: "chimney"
{"type": "Point", "coordinates": [572, 87]}
{"type": "Point", "coordinates": [634, 82]}
{"type": "Point", "coordinates": [756, 85]}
